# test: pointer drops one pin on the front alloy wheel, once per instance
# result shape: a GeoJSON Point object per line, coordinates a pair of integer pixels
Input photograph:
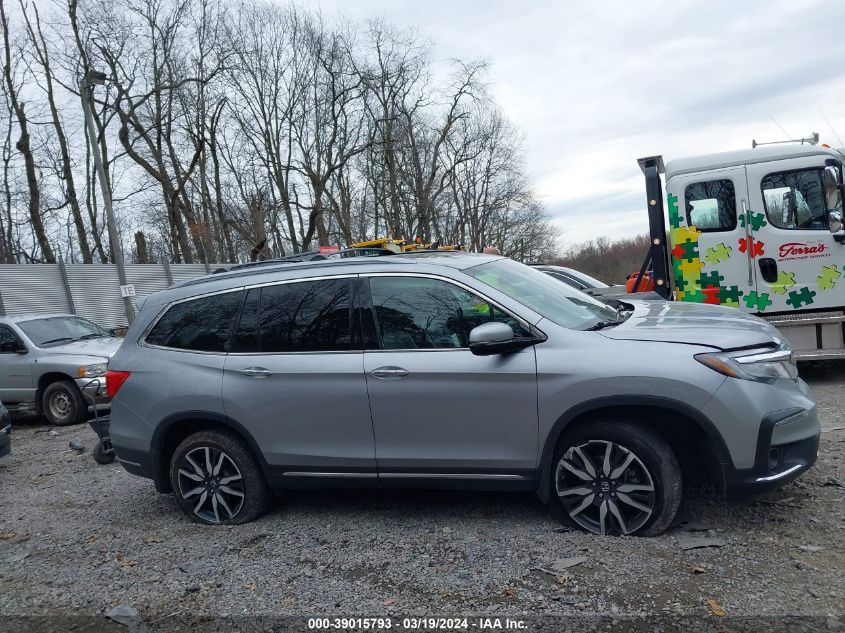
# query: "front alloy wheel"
{"type": "Point", "coordinates": [605, 488]}
{"type": "Point", "coordinates": [616, 476]}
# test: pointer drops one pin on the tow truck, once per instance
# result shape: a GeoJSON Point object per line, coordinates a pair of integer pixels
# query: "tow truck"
{"type": "Point", "coordinates": [760, 230]}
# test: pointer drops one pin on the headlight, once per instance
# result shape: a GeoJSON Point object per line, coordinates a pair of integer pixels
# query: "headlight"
{"type": "Point", "coordinates": [92, 371]}
{"type": "Point", "coordinates": [759, 365]}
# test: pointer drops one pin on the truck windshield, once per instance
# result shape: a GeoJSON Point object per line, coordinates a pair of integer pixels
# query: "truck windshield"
{"type": "Point", "coordinates": [57, 330]}
{"type": "Point", "coordinates": [559, 303]}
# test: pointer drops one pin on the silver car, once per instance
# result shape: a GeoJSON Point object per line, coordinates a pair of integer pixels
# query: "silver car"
{"type": "Point", "coordinates": [450, 370]}
{"type": "Point", "coordinates": [47, 359]}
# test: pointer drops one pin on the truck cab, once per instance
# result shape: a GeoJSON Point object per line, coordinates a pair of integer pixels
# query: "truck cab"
{"type": "Point", "coordinates": [760, 230]}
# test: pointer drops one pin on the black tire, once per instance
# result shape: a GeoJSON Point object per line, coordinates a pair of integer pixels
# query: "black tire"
{"type": "Point", "coordinates": [103, 454]}
{"type": "Point", "coordinates": [211, 499]}
{"type": "Point", "coordinates": [653, 464]}
{"type": "Point", "coordinates": [62, 403]}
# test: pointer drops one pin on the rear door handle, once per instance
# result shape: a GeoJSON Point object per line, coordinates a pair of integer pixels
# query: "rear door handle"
{"type": "Point", "coordinates": [256, 372]}
{"type": "Point", "coordinates": [389, 372]}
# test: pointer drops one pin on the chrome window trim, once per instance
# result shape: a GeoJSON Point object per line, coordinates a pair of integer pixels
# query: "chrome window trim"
{"type": "Point", "coordinates": [461, 285]}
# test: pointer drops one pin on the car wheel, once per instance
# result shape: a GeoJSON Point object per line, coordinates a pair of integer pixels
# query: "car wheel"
{"type": "Point", "coordinates": [616, 478]}
{"type": "Point", "coordinates": [62, 403]}
{"type": "Point", "coordinates": [217, 480]}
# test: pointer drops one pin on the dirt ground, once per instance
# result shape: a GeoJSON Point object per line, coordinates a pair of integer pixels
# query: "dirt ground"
{"type": "Point", "coordinates": [78, 539]}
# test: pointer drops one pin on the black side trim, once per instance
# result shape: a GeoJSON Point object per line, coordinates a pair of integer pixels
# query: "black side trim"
{"type": "Point", "coordinates": [159, 473]}
{"type": "Point", "coordinates": [716, 440]}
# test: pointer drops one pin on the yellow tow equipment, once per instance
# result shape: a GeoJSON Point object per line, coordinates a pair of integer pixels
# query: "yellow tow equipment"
{"type": "Point", "coordinates": [399, 245]}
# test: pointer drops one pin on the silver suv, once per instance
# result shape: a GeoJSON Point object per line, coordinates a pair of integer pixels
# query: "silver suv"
{"type": "Point", "coordinates": [450, 370]}
{"type": "Point", "coordinates": [46, 360]}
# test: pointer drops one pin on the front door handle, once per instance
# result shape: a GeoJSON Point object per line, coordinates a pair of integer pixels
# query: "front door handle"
{"type": "Point", "coordinates": [389, 372]}
{"type": "Point", "coordinates": [256, 372]}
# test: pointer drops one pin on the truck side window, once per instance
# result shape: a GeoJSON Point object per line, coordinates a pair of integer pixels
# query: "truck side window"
{"type": "Point", "coordinates": [795, 199]}
{"type": "Point", "coordinates": [711, 205]}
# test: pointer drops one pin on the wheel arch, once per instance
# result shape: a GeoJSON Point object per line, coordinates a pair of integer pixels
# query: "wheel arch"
{"type": "Point", "coordinates": [635, 406]}
{"type": "Point", "coordinates": [175, 428]}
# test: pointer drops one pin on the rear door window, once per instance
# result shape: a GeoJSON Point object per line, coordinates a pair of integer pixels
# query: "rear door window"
{"type": "Point", "coordinates": [305, 316]}
{"type": "Point", "coordinates": [201, 325]}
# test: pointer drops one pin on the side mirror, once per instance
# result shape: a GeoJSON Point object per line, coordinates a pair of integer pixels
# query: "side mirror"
{"type": "Point", "coordinates": [832, 189]}
{"type": "Point", "coordinates": [495, 338]}
{"type": "Point", "coordinates": [834, 221]}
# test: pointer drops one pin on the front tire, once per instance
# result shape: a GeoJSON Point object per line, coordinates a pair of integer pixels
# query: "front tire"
{"type": "Point", "coordinates": [217, 480]}
{"type": "Point", "coordinates": [62, 403]}
{"type": "Point", "coordinates": [616, 478]}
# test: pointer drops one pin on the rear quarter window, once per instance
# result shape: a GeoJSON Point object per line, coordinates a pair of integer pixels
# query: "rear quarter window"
{"type": "Point", "coordinates": [201, 325]}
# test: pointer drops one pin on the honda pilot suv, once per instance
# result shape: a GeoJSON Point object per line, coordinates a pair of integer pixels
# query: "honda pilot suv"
{"type": "Point", "coordinates": [450, 370]}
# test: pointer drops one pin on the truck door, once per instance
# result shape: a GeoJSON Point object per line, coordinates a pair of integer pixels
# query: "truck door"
{"type": "Point", "coordinates": [800, 263]}
{"type": "Point", "coordinates": [712, 249]}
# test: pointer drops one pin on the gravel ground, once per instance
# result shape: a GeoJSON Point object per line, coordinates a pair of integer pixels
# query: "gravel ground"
{"type": "Point", "coordinates": [79, 539]}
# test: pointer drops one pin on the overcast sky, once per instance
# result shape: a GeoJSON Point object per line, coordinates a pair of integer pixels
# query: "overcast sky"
{"type": "Point", "coordinates": [595, 85]}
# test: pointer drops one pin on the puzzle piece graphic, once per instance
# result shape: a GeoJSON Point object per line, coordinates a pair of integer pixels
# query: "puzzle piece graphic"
{"type": "Point", "coordinates": [711, 279]}
{"type": "Point", "coordinates": [756, 247]}
{"type": "Point", "coordinates": [718, 253]}
{"type": "Point", "coordinates": [696, 296]}
{"type": "Point", "coordinates": [674, 214]}
{"type": "Point", "coordinates": [758, 301]}
{"type": "Point", "coordinates": [797, 299]}
{"type": "Point", "coordinates": [758, 220]}
{"type": "Point", "coordinates": [711, 295]}
{"type": "Point", "coordinates": [686, 250]}
{"type": "Point", "coordinates": [690, 268]}
{"type": "Point", "coordinates": [784, 282]}
{"type": "Point", "coordinates": [682, 234]}
{"type": "Point", "coordinates": [729, 295]}
{"type": "Point", "coordinates": [828, 276]}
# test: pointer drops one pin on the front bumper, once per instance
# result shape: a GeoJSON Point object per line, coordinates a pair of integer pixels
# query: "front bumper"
{"type": "Point", "coordinates": [93, 388]}
{"type": "Point", "coordinates": [787, 445]}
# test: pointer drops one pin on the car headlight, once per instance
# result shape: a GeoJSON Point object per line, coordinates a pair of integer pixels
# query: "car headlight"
{"type": "Point", "coordinates": [761, 365]}
{"type": "Point", "coordinates": [92, 371]}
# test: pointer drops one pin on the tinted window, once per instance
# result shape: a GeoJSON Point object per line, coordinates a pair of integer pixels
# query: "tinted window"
{"type": "Point", "coordinates": [310, 316]}
{"type": "Point", "coordinates": [795, 199]}
{"type": "Point", "coordinates": [711, 205]}
{"type": "Point", "coordinates": [200, 324]}
{"type": "Point", "coordinates": [418, 313]}
{"type": "Point", "coordinates": [246, 337]}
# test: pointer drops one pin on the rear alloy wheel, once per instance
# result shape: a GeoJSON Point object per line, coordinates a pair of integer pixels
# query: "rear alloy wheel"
{"type": "Point", "coordinates": [216, 479]}
{"type": "Point", "coordinates": [618, 479]}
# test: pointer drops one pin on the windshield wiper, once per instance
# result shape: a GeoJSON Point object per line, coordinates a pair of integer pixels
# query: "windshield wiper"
{"type": "Point", "coordinates": [58, 340]}
{"type": "Point", "coordinates": [601, 325]}
{"type": "Point", "coordinates": [87, 336]}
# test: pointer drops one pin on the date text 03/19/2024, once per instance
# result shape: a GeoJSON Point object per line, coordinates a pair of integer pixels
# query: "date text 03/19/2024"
{"type": "Point", "coordinates": [421, 623]}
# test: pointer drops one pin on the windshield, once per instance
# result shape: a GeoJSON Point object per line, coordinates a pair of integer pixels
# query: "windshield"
{"type": "Point", "coordinates": [60, 330]}
{"type": "Point", "coordinates": [560, 303]}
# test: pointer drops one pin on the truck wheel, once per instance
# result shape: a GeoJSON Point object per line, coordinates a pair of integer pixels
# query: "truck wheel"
{"type": "Point", "coordinates": [616, 478]}
{"type": "Point", "coordinates": [63, 404]}
{"type": "Point", "coordinates": [217, 480]}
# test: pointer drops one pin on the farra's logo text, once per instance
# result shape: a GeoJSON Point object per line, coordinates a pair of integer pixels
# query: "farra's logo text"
{"type": "Point", "coordinates": [802, 250]}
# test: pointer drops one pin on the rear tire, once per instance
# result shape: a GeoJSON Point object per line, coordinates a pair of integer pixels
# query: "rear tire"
{"type": "Point", "coordinates": [216, 479]}
{"type": "Point", "coordinates": [615, 477]}
{"type": "Point", "coordinates": [62, 403]}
